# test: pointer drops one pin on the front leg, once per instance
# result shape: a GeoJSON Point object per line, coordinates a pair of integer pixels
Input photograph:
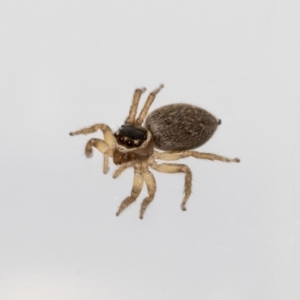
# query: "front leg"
{"type": "Point", "coordinates": [151, 186]}
{"type": "Point", "coordinates": [136, 189]}
{"type": "Point", "coordinates": [122, 168]}
{"type": "Point", "coordinates": [103, 147]}
{"type": "Point", "coordinates": [107, 133]}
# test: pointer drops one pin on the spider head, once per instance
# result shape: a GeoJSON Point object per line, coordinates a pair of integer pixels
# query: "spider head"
{"type": "Point", "coordinates": [130, 137]}
{"type": "Point", "coordinates": [133, 142]}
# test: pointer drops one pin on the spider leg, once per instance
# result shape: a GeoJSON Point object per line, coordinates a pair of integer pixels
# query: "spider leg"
{"type": "Point", "coordinates": [136, 189]}
{"type": "Point", "coordinates": [122, 168]}
{"type": "Point", "coordinates": [182, 154]}
{"type": "Point", "coordinates": [151, 186]}
{"type": "Point", "coordinates": [103, 147]}
{"type": "Point", "coordinates": [135, 102]}
{"type": "Point", "coordinates": [177, 168]}
{"type": "Point", "coordinates": [147, 105]}
{"type": "Point", "coordinates": [108, 135]}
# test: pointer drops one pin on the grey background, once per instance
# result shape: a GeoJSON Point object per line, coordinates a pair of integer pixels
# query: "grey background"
{"type": "Point", "coordinates": [69, 64]}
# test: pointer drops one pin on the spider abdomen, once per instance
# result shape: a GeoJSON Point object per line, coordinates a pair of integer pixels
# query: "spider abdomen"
{"type": "Point", "coordinates": [180, 126]}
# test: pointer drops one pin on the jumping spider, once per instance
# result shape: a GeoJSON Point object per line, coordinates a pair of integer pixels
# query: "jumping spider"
{"type": "Point", "coordinates": [175, 128]}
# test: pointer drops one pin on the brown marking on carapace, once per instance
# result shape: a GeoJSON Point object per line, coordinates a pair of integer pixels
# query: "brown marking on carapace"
{"type": "Point", "coordinates": [121, 158]}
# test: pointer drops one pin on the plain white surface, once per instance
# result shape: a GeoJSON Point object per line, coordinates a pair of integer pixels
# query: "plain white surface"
{"type": "Point", "coordinates": [69, 64]}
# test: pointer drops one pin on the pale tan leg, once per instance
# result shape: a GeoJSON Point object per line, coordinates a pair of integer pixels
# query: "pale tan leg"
{"type": "Point", "coordinates": [177, 168]}
{"type": "Point", "coordinates": [106, 155]}
{"type": "Point", "coordinates": [135, 102]}
{"type": "Point", "coordinates": [136, 189]}
{"type": "Point", "coordinates": [122, 168]}
{"type": "Point", "coordinates": [151, 186]}
{"type": "Point", "coordinates": [147, 105]}
{"type": "Point", "coordinates": [183, 154]}
{"type": "Point", "coordinates": [102, 147]}
{"type": "Point", "coordinates": [107, 133]}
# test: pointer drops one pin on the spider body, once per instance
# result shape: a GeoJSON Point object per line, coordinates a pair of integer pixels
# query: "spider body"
{"type": "Point", "coordinates": [177, 128]}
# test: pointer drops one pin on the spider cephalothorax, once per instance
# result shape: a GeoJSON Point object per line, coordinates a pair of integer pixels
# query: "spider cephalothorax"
{"type": "Point", "coordinates": [177, 128]}
{"type": "Point", "coordinates": [133, 142]}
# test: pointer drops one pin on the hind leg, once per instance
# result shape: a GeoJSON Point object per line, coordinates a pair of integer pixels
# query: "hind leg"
{"type": "Point", "coordinates": [177, 168]}
{"type": "Point", "coordinates": [182, 154]}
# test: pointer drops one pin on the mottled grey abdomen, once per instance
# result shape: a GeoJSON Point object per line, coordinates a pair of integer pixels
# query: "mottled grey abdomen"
{"type": "Point", "coordinates": [180, 126]}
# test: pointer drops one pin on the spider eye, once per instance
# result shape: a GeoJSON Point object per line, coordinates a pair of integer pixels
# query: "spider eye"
{"type": "Point", "coordinates": [120, 140]}
{"type": "Point", "coordinates": [129, 144]}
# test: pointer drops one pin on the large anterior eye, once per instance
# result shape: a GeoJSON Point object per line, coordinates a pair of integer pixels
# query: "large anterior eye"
{"type": "Point", "coordinates": [129, 144]}
{"type": "Point", "coordinates": [120, 140]}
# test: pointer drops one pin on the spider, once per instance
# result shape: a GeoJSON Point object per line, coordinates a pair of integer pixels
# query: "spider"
{"type": "Point", "coordinates": [175, 128]}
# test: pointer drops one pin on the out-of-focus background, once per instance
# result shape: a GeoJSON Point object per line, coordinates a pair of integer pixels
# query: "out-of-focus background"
{"type": "Point", "coordinates": [69, 64]}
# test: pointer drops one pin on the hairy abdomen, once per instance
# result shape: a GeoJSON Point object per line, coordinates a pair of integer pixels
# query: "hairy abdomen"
{"type": "Point", "coordinates": [180, 126]}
